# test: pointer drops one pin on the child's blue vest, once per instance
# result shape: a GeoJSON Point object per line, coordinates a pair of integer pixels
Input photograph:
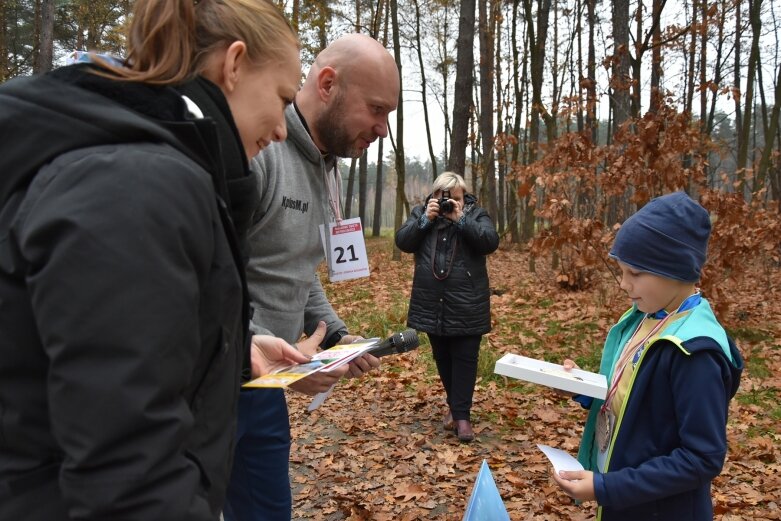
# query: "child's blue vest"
{"type": "Point", "coordinates": [698, 322]}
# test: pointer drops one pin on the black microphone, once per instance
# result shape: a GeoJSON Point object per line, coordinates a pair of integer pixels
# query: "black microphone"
{"type": "Point", "coordinates": [398, 343]}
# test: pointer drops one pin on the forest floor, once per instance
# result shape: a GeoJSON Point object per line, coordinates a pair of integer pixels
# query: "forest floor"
{"type": "Point", "coordinates": [376, 449]}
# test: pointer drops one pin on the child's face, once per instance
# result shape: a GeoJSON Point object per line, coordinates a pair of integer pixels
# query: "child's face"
{"type": "Point", "coordinates": [652, 293]}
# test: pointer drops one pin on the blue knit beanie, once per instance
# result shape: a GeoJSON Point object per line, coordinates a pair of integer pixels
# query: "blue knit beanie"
{"type": "Point", "coordinates": [667, 237]}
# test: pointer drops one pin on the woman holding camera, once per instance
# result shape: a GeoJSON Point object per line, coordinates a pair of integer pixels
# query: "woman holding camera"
{"type": "Point", "coordinates": [450, 236]}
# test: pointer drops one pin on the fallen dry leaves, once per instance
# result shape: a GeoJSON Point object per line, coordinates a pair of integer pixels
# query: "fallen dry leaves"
{"type": "Point", "coordinates": [376, 449]}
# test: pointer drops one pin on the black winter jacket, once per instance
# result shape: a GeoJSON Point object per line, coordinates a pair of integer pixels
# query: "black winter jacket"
{"type": "Point", "coordinates": [122, 323]}
{"type": "Point", "coordinates": [450, 295]}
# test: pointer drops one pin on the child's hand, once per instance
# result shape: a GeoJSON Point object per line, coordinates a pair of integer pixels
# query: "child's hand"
{"type": "Point", "coordinates": [568, 365]}
{"type": "Point", "coordinates": [577, 484]}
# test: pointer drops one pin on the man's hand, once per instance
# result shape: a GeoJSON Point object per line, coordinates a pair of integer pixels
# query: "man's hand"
{"type": "Point", "coordinates": [320, 381]}
{"type": "Point", "coordinates": [269, 353]}
{"type": "Point", "coordinates": [577, 484]}
{"type": "Point", "coordinates": [364, 363]}
{"type": "Point", "coordinates": [311, 345]}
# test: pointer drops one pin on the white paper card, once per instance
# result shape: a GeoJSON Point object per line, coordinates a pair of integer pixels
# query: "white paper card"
{"type": "Point", "coordinates": [553, 375]}
{"type": "Point", "coordinates": [320, 398]}
{"type": "Point", "coordinates": [347, 258]}
{"type": "Point", "coordinates": [561, 460]}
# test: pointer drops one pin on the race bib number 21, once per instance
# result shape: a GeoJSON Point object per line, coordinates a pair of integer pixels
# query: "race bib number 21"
{"type": "Point", "coordinates": [347, 257]}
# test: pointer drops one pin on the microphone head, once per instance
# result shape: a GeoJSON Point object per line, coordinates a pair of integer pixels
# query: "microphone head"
{"type": "Point", "coordinates": [407, 340]}
{"type": "Point", "coordinates": [397, 343]}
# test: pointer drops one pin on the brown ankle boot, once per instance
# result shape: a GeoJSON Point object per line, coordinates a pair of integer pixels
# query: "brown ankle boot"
{"type": "Point", "coordinates": [464, 431]}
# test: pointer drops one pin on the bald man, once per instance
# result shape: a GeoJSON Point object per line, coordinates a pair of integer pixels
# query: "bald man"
{"type": "Point", "coordinates": [341, 109]}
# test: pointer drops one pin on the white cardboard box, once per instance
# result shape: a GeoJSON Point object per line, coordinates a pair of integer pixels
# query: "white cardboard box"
{"type": "Point", "coordinates": [553, 375]}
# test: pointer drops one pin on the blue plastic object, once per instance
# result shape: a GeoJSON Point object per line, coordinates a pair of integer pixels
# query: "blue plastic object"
{"type": "Point", "coordinates": [485, 503]}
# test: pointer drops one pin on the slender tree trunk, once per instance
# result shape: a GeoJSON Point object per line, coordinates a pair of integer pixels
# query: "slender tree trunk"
{"type": "Point", "coordinates": [656, 60]}
{"type": "Point", "coordinates": [704, 68]}
{"type": "Point", "coordinates": [462, 98]}
{"type": "Point", "coordinates": [350, 187]}
{"type": "Point", "coordinates": [487, 29]}
{"type": "Point", "coordinates": [736, 75]}
{"type": "Point", "coordinates": [295, 15]}
{"type": "Point", "coordinates": [691, 53]}
{"type": "Point", "coordinates": [378, 191]}
{"type": "Point", "coordinates": [620, 80]}
{"type": "Point", "coordinates": [754, 7]}
{"type": "Point", "coordinates": [536, 38]}
{"type": "Point", "coordinates": [401, 197]}
{"type": "Point", "coordinates": [444, 68]}
{"type": "Point", "coordinates": [423, 92]}
{"type": "Point", "coordinates": [36, 33]}
{"type": "Point", "coordinates": [43, 63]}
{"type": "Point", "coordinates": [382, 13]}
{"type": "Point", "coordinates": [770, 136]}
{"type": "Point", "coordinates": [379, 184]}
{"type": "Point", "coordinates": [637, 61]}
{"type": "Point", "coordinates": [717, 70]}
{"type": "Point", "coordinates": [513, 207]}
{"type": "Point", "coordinates": [501, 154]}
{"type": "Point", "coordinates": [591, 89]}
{"type": "Point", "coordinates": [322, 30]}
{"type": "Point", "coordinates": [363, 182]}
{"type": "Point", "coordinates": [3, 44]}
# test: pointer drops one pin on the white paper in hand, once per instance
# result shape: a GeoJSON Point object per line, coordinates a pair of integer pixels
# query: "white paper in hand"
{"type": "Point", "coordinates": [560, 459]}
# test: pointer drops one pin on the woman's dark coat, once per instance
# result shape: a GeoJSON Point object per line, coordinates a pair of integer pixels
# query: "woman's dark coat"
{"type": "Point", "coordinates": [122, 322]}
{"type": "Point", "coordinates": [450, 295]}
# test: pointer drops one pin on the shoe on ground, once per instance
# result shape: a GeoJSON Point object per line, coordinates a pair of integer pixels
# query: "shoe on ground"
{"type": "Point", "coordinates": [447, 421]}
{"type": "Point", "coordinates": [464, 431]}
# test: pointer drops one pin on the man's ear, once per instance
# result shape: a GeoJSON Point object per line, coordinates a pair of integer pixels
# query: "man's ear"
{"type": "Point", "coordinates": [326, 83]}
{"type": "Point", "coordinates": [235, 59]}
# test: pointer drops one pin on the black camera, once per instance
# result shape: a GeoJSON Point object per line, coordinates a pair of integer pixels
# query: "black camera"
{"type": "Point", "coordinates": [445, 205]}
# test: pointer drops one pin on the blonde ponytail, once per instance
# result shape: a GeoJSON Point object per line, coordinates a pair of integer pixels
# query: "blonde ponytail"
{"type": "Point", "coordinates": [169, 40]}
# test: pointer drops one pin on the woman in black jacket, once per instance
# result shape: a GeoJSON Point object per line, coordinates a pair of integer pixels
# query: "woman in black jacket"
{"type": "Point", "coordinates": [450, 236]}
{"type": "Point", "coordinates": [123, 316]}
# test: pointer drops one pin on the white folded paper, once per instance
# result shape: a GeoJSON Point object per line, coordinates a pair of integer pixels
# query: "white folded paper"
{"type": "Point", "coordinates": [561, 460]}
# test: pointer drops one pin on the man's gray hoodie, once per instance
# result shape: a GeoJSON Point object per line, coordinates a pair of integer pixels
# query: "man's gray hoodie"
{"type": "Point", "coordinates": [285, 244]}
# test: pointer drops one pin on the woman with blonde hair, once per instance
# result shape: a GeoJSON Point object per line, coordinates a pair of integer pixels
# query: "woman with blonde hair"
{"type": "Point", "coordinates": [450, 236]}
{"type": "Point", "coordinates": [124, 198]}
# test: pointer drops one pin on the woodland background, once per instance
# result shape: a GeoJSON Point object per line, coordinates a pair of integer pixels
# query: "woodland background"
{"type": "Point", "coordinates": [565, 116]}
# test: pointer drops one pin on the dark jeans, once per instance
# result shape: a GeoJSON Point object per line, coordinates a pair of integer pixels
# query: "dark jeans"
{"type": "Point", "coordinates": [259, 488]}
{"type": "Point", "coordinates": [456, 358]}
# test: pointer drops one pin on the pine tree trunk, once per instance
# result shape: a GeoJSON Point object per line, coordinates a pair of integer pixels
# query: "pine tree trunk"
{"type": "Point", "coordinates": [43, 62]}
{"type": "Point", "coordinates": [462, 98]}
{"type": "Point", "coordinates": [401, 197]}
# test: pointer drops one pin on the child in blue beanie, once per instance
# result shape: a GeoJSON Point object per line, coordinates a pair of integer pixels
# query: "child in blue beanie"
{"type": "Point", "coordinates": [653, 446]}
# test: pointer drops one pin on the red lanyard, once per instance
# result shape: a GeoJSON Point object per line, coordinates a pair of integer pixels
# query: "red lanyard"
{"type": "Point", "coordinates": [626, 355]}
